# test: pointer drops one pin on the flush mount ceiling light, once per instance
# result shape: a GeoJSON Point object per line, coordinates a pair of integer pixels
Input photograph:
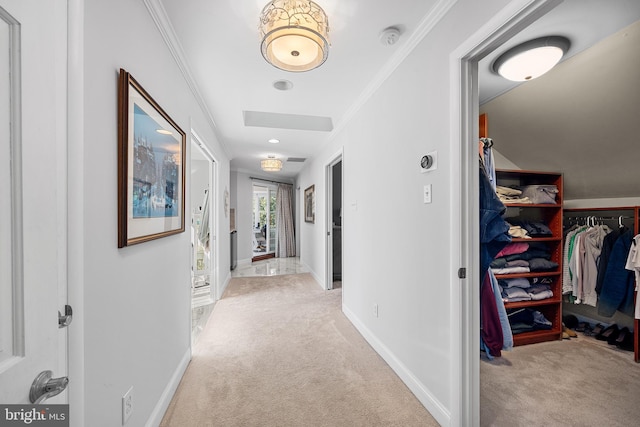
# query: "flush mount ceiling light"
{"type": "Point", "coordinates": [294, 34]}
{"type": "Point", "coordinates": [531, 59]}
{"type": "Point", "coordinates": [271, 164]}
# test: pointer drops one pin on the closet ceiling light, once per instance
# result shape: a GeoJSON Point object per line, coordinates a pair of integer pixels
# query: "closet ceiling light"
{"type": "Point", "coordinates": [294, 35]}
{"type": "Point", "coordinates": [531, 59]}
{"type": "Point", "coordinates": [271, 164]}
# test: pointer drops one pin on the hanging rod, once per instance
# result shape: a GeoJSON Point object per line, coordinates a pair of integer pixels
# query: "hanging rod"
{"type": "Point", "coordinates": [599, 218]}
{"type": "Point", "coordinates": [268, 180]}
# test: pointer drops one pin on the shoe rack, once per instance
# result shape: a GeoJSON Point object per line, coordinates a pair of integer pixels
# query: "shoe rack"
{"type": "Point", "coordinates": [551, 215]}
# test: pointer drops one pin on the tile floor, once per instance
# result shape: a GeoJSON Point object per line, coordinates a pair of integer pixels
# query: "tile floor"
{"type": "Point", "coordinates": [270, 267]}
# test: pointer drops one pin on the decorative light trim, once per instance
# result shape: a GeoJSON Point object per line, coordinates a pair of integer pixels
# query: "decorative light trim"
{"type": "Point", "coordinates": [294, 35]}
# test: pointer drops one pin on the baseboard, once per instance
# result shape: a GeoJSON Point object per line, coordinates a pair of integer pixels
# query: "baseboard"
{"type": "Point", "coordinates": [433, 405]}
{"type": "Point", "coordinates": [165, 399]}
{"type": "Point", "coordinates": [223, 287]}
{"type": "Point", "coordinates": [318, 280]}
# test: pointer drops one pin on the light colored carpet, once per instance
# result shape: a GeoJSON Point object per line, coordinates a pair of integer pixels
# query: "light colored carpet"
{"type": "Point", "coordinates": [578, 382]}
{"type": "Point", "coordinates": [277, 351]}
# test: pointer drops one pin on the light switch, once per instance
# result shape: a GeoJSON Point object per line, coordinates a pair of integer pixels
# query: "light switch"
{"type": "Point", "coordinates": [427, 193]}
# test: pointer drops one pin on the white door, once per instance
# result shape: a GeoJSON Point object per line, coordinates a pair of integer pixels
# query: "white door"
{"type": "Point", "coordinates": [33, 197]}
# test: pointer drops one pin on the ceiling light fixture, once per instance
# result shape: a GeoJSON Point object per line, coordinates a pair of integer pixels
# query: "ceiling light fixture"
{"type": "Point", "coordinates": [531, 59]}
{"type": "Point", "coordinates": [274, 140]}
{"type": "Point", "coordinates": [294, 34]}
{"type": "Point", "coordinates": [271, 164]}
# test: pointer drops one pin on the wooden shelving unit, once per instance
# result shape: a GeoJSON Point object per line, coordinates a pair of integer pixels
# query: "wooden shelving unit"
{"type": "Point", "coordinates": [551, 215]}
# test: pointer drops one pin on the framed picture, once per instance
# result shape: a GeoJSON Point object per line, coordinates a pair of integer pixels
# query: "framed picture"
{"type": "Point", "coordinates": [151, 175]}
{"type": "Point", "coordinates": [309, 205]}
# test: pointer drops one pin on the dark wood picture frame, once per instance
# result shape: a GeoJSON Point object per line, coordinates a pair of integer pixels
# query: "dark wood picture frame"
{"type": "Point", "coordinates": [151, 167]}
{"type": "Point", "coordinates": [309, 205]}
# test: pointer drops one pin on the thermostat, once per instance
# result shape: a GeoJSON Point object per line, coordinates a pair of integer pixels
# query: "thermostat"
{"type": "Point", "coordinates": [429, 162]}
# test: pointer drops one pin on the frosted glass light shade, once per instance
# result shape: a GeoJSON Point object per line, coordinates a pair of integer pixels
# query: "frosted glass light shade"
{"type": "Point", "coordinates": [294, 34]}
{"type": "Point", "coordinates": [531, 59]}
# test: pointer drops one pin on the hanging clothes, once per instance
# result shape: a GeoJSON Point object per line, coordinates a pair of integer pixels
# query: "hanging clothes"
{"type": "Point", "coordinates": [582, 252]}
{"type": "Point", "coordinates": [607, 246]}
{"type": "Point", "coordinates": [489, 165]}
{"type": "Point", "coordinates": [494, 236]}
{"type": "Point", "coordinates": [633, 264]}
{"type": "Point", "coordinates": [619, 283]}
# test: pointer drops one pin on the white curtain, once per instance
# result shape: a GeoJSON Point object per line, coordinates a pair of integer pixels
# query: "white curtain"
{"type": "Point", "coordinates": [286, 241]}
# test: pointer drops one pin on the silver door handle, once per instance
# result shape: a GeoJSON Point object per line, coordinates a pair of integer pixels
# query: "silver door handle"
{"type": "Point", "coordinates": [44, 387]}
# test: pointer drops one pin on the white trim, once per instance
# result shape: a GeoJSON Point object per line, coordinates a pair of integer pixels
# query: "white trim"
{"type": "Point", "coordinates": [214, 226]}
{"type": "Point", "coordinates": [223, 287]}
{"type": "Point", "coordinates": [424, 27]}
{"type": "Point", "coordinates": [313, 274]}
{"type": "Point", "coordinates": [75, 249]}
{"type": "Point", "coordinates": [328, 170]}
{"type": "Point", "coordinates": [465, 300]}
{"type": "Point", "coordinates": [428, 400]}
{"type": "Point", "coordinates": [16, 189]}
{"type": "Point", "coordinates": [165, 399]}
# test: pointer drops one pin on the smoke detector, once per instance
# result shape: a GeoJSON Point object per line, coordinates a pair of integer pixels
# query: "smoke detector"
{"type": "Point", "coordinates": [389, 36]}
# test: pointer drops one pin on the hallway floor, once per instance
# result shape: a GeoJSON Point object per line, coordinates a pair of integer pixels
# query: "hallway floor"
{"type": "Point", "coordinates": [270, 267]}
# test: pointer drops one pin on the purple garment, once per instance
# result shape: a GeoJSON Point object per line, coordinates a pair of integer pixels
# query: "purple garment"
{"type": "Point", "coordinates": [490, 327]}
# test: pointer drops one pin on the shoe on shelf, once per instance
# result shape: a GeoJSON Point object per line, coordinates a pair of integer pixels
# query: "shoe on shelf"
{"type": "Point", "coordinates": [588, 330]}
{"type": "Point", "coordinates": [570, 332]}
{"type": "Point", "coordinates": [625, 340]}
{"type": "Point", "coordinates": [597, 330]}
{"type": "Point", "coordinates": [608, 332]}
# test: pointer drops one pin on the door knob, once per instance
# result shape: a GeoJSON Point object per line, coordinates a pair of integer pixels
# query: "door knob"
{"type": "Point", "coordinates": [44, 387]}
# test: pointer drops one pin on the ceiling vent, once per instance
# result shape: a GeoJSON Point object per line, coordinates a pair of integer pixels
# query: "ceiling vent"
{"type": "Point", "coordinates": [296, 159]}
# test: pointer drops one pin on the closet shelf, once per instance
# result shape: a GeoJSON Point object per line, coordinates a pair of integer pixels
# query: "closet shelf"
{"type": "Point", "coordinates": [537, 239]}
{"type": "Point", "coordinates": [532, 205]}
{"type": "Point", "coordinates": [551, 215]}
{"type": "Point", "coordinates": [529, 275]}
{"type": "Point", "coordinates": [536, 337]}
{"type": "Point", "coordinates": [522, 304]}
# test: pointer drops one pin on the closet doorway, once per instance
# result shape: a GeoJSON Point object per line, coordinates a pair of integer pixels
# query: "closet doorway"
{"type": "Point", "coordinates": [264, 231]}
{"type": "Point", "coordinates": [203, 242]}
{"type": "Point", "coordinates": [470, 61]}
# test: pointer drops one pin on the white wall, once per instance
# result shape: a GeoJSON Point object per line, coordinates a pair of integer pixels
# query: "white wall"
{"type": "Point", "coordinates": [136, 304]}
{"type": "Point", "coordinates": [396, 248]}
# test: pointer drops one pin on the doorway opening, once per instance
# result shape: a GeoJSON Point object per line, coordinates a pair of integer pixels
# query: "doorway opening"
{"type": "Point", "coordinates": [334, 223]}
{"type": "Point", "coordinates": [466, 297]}
{"type": "Point", "coordinates": [203, 247]}
{"type": "Point", "coordinates": [264, 228]}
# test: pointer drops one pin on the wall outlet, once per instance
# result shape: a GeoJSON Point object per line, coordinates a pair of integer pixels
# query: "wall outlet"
{"type": "Point", "coordinates": [127, 405]}
{"type": "Point", "coordinates": [375, 310]}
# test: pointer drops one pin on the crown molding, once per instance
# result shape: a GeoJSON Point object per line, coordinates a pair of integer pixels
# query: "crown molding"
{"type": "Point", "coordinates": [424, 27]}
{"type": "Point", "coordinates": [159, 15]}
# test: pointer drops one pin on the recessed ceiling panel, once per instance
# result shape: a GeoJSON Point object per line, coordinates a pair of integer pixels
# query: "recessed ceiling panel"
{"type": "Point", "coordinates": [287, 121]}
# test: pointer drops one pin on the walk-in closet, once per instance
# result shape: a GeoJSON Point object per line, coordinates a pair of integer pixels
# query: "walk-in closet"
{"type": "Point", "coordinates": [559, 268]}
